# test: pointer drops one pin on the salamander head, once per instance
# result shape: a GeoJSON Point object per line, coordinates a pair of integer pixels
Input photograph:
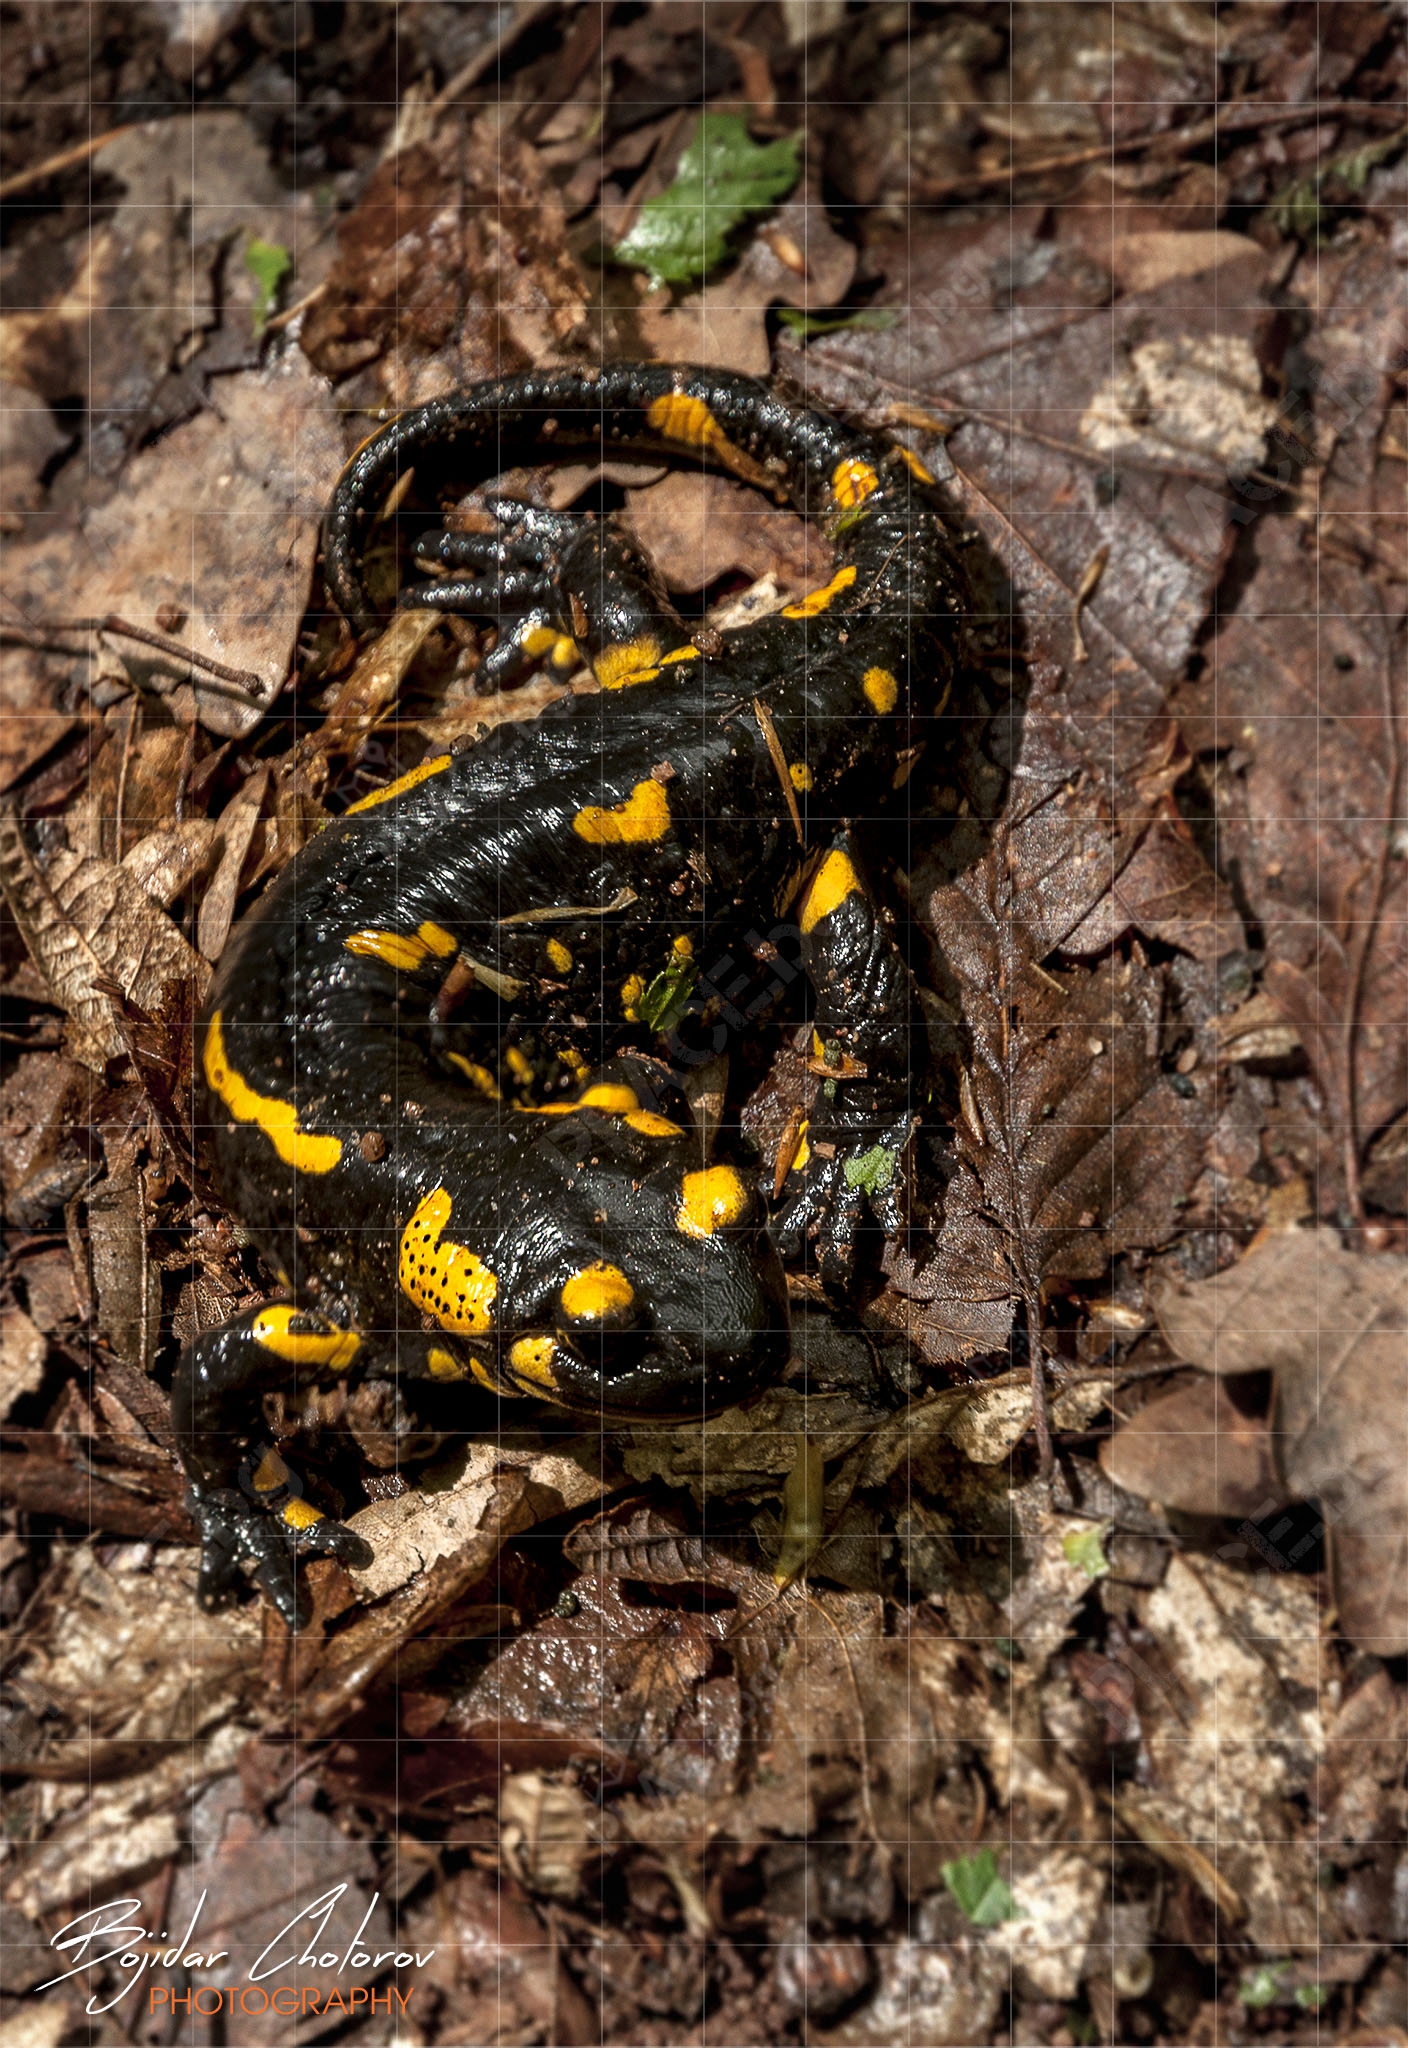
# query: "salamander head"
{"type": "Point", "coordinates": [647, 1294]}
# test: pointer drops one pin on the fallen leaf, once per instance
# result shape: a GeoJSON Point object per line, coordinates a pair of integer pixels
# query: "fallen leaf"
{"type": "Point", "coordinates": [723, 178]}
{"type": "Point", "coordinates": [237, 827]}
{"type": "Point", "coordinates": [1197, 397]}
{"type": "Point", "coordinates": [87, 924]}
{"type": "Point", "coordinates": [1194, 1450]}
{"type": "Point", "coordinates": [396, 305]}
{"type": "Point", "coordinates": [217, 524]}
{"type": "Point", "coordinates": [22, 1355]}
{"type": "Point", "coordinates": [126, 1283]}
{"type": "Point", "coordinates": [698, 528]}
{"type": "Point", "coordinates": [153, 279]}
{"type": "Point", "coordinates": [1228, 1685]}
{"type": "Point", "coordinates": [548, 1829]}
{"type": "Point", "coordinates": [1079, 1145]}
{"type": "Point", "coordinates": [1333, 1327]}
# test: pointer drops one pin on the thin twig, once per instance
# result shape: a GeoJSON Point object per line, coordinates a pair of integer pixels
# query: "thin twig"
{"type": "Point", "coordinates": [246, 679]}
{"type": "Point", "coordinates": [20, 181]}
{"type": "Point", "coordinates": [1164, 141]}
{"type": "Point", "coordinates": [1365, 928]}
{"type": "Point", "coordinates": [484, 60]}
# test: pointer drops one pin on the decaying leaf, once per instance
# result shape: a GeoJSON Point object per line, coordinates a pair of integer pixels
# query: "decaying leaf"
{"type": "Point", "coordinates": [1333, 1327]}
{"type": "Point", "coordinates": [461, 206]}
{"type": "Point", "coordinates": [1193, 1449]}
{"type": "Point", "coordinates": [548, 1829]}
{"type": "Point", "coordinates": [1190, 397]}
{"type": "Point", "coordinates": [1075, 1137]}
{"type": "Point", "coordinates": [89, 924]}
{"type": "Point", "coordinates": [126, 1283]}
{"type": "Point", "coordinates": [1231, 1717]}
{"type": "Point", "coordinates": [171, 1683]}
{"type": "Point", "coordinates": [22, 1354]}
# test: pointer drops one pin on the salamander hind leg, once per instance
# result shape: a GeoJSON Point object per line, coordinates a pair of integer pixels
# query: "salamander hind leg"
{"type": "Point", "coordinates": [244, 1498]}
{"type": "Point", "coordinates": [865, 1042]}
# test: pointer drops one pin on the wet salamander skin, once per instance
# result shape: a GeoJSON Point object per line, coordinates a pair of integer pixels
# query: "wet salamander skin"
{"type": "Point", "coordinates": [431, 1086]}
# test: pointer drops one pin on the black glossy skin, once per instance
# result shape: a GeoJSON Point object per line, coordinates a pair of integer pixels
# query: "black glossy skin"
{"type": "Point", "coordinates": [368, 1046]}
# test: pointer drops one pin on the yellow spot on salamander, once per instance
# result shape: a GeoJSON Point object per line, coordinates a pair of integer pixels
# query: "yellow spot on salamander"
{"type": "Point", "coordinates": [393, 949]}
{"type": "Point", "coordinates": [680, 654]}
{"type": "Point", "coordinates": [686, 420]}
{"type": "Point", "coordinates": [399, 787]}
{"type": "Point", "coordinates": [821, 600]}
{"type": "Point", "coordinates": [478, 1077]}
{"type": "Point", "coordinates": [852, 481]}
{"type": "Point", "coordinates": [642, 820]}
{"type": "Point", "coordinates": [300, 1514]}
{"type": "Point", "coordinates": [800, 776]}
{"type": "Point", "coordinates": [630, 661]}
{"type": "Point", "coordinates": [613, 1097]}
{"type": "Point", "coordinates": [270, 1474]}
{"type": "Point", "coordinates": [484, 1376]}
{"type": "Point", "coordinates": [530, 1359]}
{"type": "Point", "coordinates": [564, 652]}
{"type": "Point", "coordinates": [916, 467]}
{"type": "Point", "coordinates": [652, 1126]}
{"type": "Point", "coordinates": [321, 1345]}
{"type": "Point", "coordinates": [538, 641]}
{"type": "Point", "coordinates": [398, 950]}
{"type": "Point", "coordinates": [559, 956]}
{"type": "Point", "coordinates": [689, 423]}
{"type": "Point", "coordinates": [445, 1279]}
{"type": "Point", "coordinates": [278, 1120]}
{"type": "Point", "coordinates": [444, 1365]}
{"type": "Point", "coordinates": [833, 882]}
{"type": "Point", "coordinates": [882, 690]}
{"type": "Point", "coordinates": [632, 989]}
{"type": "Point", "coordinates": [710, 1200]}
{"type": "Point", "coordinates": [597, 1292]}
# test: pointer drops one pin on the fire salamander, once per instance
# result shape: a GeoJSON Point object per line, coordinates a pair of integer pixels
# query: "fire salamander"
{"type": "Point", "coordinates": [439, 1076]}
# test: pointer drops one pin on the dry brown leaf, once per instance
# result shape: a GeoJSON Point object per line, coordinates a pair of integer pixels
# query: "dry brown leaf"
{"type": "Point", "coordinates": [1193, 1449]}
{"type": "Point", "coordinates": [22, 1355]}
{"type": "Point", "coordinates": [1079, 1144]}
{"type": "Point", "coordinates": [217, 525]}
{"type": "Point", "coordinates": [126, 1283]}
{"type": "Point", "coordinates": [453, 266]}
{"type": "Point", "coordinates": [88, 923]}
{"type": "Point", "coordinates": [237, 827]}
{"type": "Point", "coordinates": [548, 1829]}
{"type": "Point", "coordinates": [156, 275]}
{"type": "Point", "coordinates": [1333, 1327]}
{"type": "Point", "coordinates": [697, 528]}
{"type": "Point", "coordinates": [1228, 1702]}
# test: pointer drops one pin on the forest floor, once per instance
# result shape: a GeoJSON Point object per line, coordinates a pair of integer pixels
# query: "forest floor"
{"type": "Point", "coordinates": [1028, 1666]}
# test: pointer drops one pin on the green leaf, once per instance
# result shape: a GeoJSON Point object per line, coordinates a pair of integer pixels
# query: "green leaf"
{"type": "Point", "coordinates": [1262, 1986]}
{"type": "Point", "coordinates": [873, 1171]}
{"type": "Point", "coordinates": [1310, 1997]}
{"type": "Point", "coordinates": [667, 998]}
{"type": "Point", "coordinates": [1085, 1549]}
{"type": "Point", "coordinates": [982, 1894]}
{"type": "Point", "coordinates": [268, 263]}
{"type": "Point", "coordinates": [873, 319]}
{"type": "Point", "coordinates": [724, 176]}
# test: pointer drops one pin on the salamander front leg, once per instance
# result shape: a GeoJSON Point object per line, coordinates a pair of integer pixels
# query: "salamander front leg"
{"type": "Point", "coordinates": [865, 1043]}
{"type": "Point", "coordinates": [245, 1499]}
